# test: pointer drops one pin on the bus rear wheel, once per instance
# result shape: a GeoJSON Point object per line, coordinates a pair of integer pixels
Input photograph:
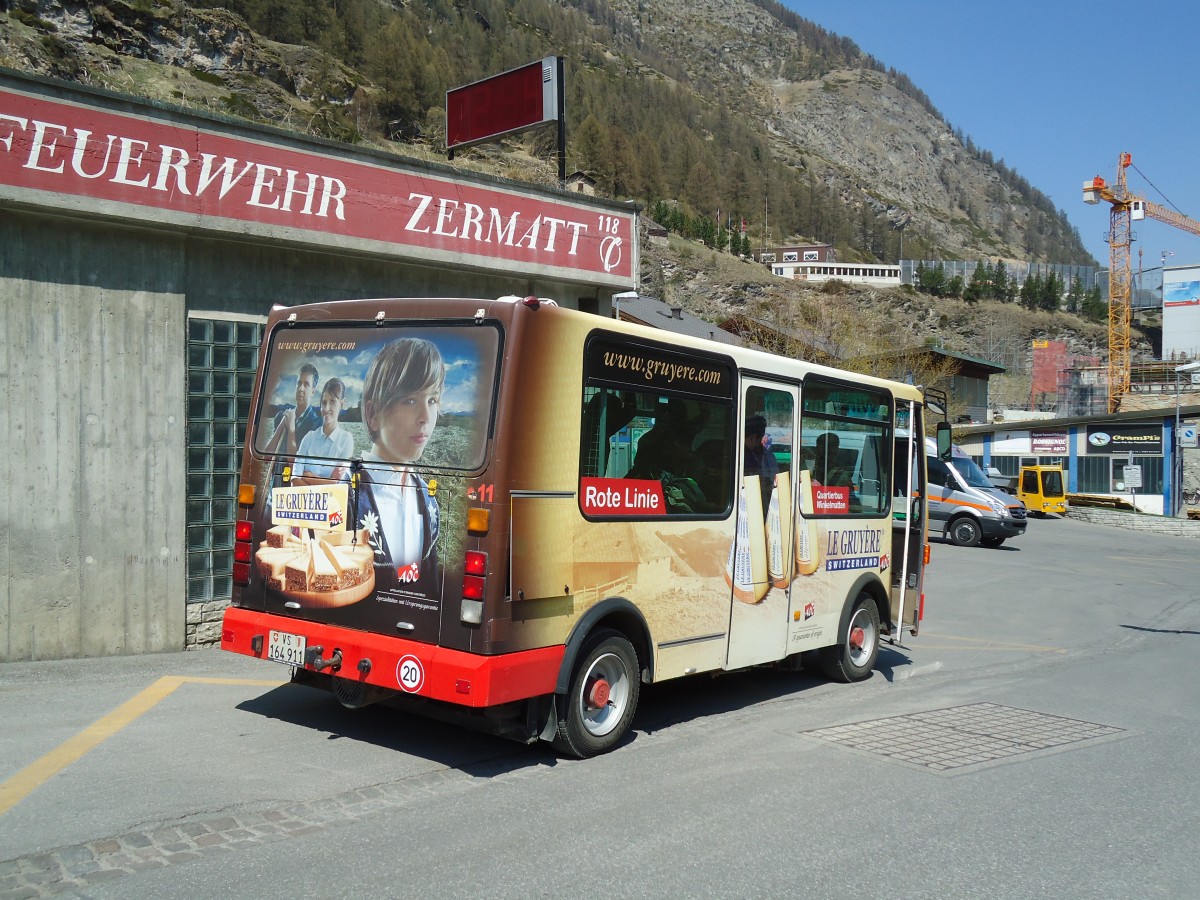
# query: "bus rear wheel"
{"type": "Point", "coordinates": [854, 660]}
{"type": "Point", "coordinates": [602, 698]}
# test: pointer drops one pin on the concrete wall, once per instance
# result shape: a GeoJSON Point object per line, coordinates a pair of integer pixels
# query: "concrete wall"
{"type": "Point", "coordinates": [91, 440]}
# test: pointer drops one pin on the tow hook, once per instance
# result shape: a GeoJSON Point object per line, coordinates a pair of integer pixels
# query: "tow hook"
{"type": "Point", "coordinates": [314, 659]}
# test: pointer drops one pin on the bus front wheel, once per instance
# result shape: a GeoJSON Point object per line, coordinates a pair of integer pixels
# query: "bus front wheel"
{"type": "Point", "coordinates": [965, 531]}
{"type": "Point", "coordinates": [602, 698]}
{"type": "Point", "coordinates": [854, 660]}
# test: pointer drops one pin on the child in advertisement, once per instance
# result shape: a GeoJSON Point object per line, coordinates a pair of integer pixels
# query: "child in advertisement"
{"type": "Point", "coordinates": [400, 405]}
{"type": "Point", "coordinates": [322, 446]}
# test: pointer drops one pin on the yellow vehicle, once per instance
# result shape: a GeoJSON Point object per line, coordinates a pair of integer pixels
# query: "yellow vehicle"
{"type": "Point", "coordinates": [1043, 490]}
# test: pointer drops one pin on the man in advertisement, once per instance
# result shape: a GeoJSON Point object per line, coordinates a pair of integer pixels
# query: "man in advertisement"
{"type": "Point", "coordinates": [293, 423]}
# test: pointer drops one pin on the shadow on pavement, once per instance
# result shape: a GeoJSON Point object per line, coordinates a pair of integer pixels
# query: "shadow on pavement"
{"type": "Point", "coordinates": [1159, 630]}
{"type": "Point", "coordinates": [466, 749]}
{"type": "Point", "coordinates": [458, 745]}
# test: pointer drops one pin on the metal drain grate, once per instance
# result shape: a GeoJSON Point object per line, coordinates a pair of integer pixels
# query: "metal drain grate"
{"type": "Point", "coordinates": [963, 736]}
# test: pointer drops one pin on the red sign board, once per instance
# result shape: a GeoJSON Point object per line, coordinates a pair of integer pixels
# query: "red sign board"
{"type": "Point", "coordinates": [195, 176]}
{"type": "Point", "coordinates": [831, 501]}
{"type": "Point", "coordinates": [621, 497]}
{"type": "Point", "coordinates": [511, 101]}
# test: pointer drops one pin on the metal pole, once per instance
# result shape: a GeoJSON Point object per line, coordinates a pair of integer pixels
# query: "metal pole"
{"type": "Point", "coordinates": [1176, 458]}
{"type": "Point", "coordinates": [562, 123]}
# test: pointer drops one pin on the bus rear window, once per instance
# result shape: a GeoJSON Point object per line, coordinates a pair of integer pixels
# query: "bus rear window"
{"type": "Point", "coordinates": [392, 395]}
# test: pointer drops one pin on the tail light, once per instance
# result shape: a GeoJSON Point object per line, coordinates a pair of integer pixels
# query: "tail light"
{"type": "Point", "coordinates": [243, 550]}
{"type": "Point", "coordinates": [474, 586]}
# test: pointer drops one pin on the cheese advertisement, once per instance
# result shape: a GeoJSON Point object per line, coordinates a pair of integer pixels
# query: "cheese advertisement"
{"type": "Point", "coordinates": [319, 507]}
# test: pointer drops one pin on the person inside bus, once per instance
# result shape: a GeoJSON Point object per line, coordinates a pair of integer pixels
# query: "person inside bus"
{"type": "Point", "coordinates": [322, 446]}
{"type": "Point", "coordinates": [400, 405]}
{"type": "Point", "coordinates": [667, 447]}
{"type": "Point", "coordinates": [758, 460]}
{"type": "Point", "coordinates": [293, 422]}
{"type": "Point", "coordinates": [827, 470]}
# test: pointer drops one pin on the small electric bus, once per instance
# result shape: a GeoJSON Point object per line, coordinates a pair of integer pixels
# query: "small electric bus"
{"type": "Point", "coordinates": [516, 514]}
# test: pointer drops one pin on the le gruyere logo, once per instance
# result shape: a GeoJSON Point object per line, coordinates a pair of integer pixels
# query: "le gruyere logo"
{"type": "Point", "coordinates": [318, 506]}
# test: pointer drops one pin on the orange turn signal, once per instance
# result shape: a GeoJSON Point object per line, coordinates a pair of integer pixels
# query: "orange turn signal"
{"type": "Point", "coordinates": [246, 494]}
{"type": "Point", "coordinates": [478, 520]}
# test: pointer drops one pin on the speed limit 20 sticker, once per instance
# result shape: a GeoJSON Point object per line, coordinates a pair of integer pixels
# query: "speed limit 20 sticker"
{"type": "Point", "coordinates": [410, 674]}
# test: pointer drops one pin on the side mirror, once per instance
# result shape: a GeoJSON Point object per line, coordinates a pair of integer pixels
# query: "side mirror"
{"type": "Point", "coordinates": [943, 441]}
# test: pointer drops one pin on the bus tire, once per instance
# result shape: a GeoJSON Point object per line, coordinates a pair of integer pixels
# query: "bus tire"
{"type": "Point", "coordinates": [602, 697]}
{"type": "Point", "coordinates": [854, 660]}
{"type": "Point", "coordinates": [965, 531]}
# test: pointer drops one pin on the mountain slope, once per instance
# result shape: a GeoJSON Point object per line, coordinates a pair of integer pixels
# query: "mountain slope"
{"type": "Point", "coordinates": [867, 134]}
{"type": "Point", "coordinates": [737, 106]}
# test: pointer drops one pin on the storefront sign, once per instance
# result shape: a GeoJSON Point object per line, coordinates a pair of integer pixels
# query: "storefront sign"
{"type": "Point", "coordinates": [1145, 440]}
{"type": "Point", "coordinates": [130, 163]}
{"type": "Point", "coordinates": [1048, 443]}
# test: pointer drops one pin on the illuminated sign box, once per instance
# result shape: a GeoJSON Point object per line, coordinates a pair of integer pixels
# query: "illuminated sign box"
{"type": "Point", "coordinates": [512, 101]}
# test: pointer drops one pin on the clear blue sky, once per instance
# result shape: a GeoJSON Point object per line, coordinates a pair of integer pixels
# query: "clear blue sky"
{"type": "Point", "coordinates": [1057, 89]}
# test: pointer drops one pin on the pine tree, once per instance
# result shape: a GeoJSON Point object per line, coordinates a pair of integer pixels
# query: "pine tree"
{"type": "Point", "coordinates": [1051, 293]}
{"type": "Point", "coordinates": [1000, 288]}
{"type": "Point", "coordinates": [1075, 295]}
{"type": "Point", "coordinates": [1093, 306]}
{"type": "Point", "coordinates": [979, 286]}
{"type": "Point", "coordinates": [1031, 291]}
{"type": "Point", "coordinates": [931, 279]}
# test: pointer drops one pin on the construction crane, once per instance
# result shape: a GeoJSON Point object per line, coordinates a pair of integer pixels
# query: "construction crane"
{"type": "Point", "coordinates": [1126, 208]}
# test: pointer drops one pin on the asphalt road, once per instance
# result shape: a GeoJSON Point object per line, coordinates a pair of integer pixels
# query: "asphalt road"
{"type": "Point", "coordinates": [1037, 739]}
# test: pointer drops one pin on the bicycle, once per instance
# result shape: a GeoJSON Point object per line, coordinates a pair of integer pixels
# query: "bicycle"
{"type": "Point", "coordinates": [1192, 498]}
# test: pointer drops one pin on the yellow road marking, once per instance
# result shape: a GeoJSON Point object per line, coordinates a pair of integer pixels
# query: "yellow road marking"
{"type": "Point", "coordinates": [37, 773]}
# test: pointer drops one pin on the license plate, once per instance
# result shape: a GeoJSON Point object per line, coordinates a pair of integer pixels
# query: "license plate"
{"type": "Point", "coordinates": [286, 648]}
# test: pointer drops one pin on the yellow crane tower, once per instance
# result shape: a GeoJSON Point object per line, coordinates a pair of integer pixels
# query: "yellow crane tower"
{"type": "Point", "coordinates": [1125, 209]}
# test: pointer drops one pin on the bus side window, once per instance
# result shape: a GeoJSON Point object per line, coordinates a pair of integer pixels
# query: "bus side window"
{"type": "Point", "coordinates": [605, 414]}
{"type": "Point", "coordinates": [714, 473]}
{"type": "Point", "coordinates": [667, 446]}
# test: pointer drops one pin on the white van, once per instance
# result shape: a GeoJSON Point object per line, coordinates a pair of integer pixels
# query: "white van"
{"type": "Point", "coordinates": [966, 506]}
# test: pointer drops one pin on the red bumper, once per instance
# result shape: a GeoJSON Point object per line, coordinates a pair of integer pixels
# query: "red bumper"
{"type": "Point", "coordinates": [426, 670]}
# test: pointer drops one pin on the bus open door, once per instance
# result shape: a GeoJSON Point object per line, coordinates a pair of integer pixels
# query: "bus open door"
{"type": "Point", "coordinates": [909, 539]}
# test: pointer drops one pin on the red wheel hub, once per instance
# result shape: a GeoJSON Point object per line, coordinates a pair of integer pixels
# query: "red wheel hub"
{"type": "Point", "coordinates": [597, 695]}
{"type": "Point", "coordinates": [857, 636]}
